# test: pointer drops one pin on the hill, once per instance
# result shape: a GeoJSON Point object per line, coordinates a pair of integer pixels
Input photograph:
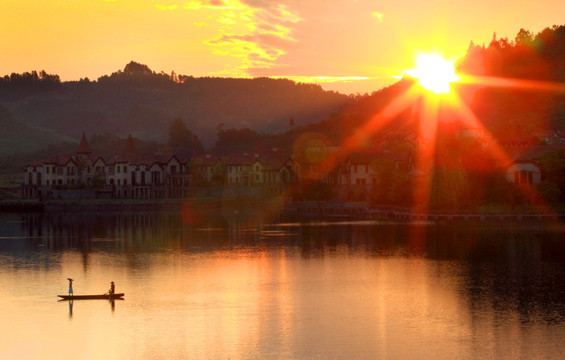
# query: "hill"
{"type": "Point", "coordinates": [141, 102]}
{"type": "Point", "coordinates": [19, 137]}
{"type": "Point", "coordinates": [535, 63]}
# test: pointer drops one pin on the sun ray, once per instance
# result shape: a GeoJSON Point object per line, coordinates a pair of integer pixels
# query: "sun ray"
{"type": "Point", "coordinates": [430, 106]}
{"type": "Point", "coordinates": [424, 160]}
{"type": "Point", "coordinates": [500, 156]}
{"type": "Point", "coordinates": [499, 82]}
{"type": "Point", "coordinates": [377, 122]}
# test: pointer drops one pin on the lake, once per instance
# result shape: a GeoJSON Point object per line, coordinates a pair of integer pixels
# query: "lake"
{"type": "Point", "coordinates": [229, 284]}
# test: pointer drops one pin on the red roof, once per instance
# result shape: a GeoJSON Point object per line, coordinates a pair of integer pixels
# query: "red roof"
{"type": "Point", "coordinates": [130, 148]}
{"type": "Point", "coordinates": [83, 148]}
{"type": "Point", "coordinates": [61, 159]}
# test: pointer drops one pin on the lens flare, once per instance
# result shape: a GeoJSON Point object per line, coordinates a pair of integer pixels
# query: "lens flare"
{"type": "Point", "coordinates": [434, 72]}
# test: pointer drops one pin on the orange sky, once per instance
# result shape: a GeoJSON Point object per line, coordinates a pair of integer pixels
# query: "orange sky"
{"type": "Point", "coordinates": [347, 45]}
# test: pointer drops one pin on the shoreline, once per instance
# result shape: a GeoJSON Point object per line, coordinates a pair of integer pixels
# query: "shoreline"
{"type": "Point", "coordinates": [332, 211]}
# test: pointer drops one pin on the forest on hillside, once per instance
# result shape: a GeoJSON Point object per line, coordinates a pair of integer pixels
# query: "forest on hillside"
{"type": "Point", "coordinates": [465, 173]}
{"type": "Point", "coordinates": [142, 102]}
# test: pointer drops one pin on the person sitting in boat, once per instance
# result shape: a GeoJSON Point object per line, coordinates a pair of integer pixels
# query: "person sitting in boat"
{"type": "Point", "coordinates": [70, 286]}
{"type": "Point", "coordinates": [112, 288]}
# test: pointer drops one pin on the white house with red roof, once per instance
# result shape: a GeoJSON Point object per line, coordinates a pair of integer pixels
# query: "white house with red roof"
{"type": "Point", "coordinates": [128, 175]}
{"type": "Point", "coordinates": [132, 175]}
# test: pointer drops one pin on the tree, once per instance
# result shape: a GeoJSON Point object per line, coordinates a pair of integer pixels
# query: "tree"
{"type": "Point", "coordinates": [524, 37]}
{"type": "Point", "coordinates": [552, 165]}
{"type": "Point", "coordinates": [134, 68]}
{"type": "Point", "coordinates": [235, 140]}
{"type": "Point", "coordinates": [181, 137]}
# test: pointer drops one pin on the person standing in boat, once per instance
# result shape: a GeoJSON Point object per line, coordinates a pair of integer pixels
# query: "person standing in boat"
{"type": "Point", "coordinates": [70, 286]}
{"type": "Point", "coordinates": [112, 288]}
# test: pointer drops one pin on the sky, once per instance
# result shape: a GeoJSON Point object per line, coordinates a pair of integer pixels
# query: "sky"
{"type": "Point", "coordinates": [350, 46]}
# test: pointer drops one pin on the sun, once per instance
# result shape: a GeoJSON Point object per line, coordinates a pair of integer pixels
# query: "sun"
{"type": "Point", "coordinates": [434, 72]}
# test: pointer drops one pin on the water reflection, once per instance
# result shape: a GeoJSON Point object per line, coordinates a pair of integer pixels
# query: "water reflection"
{"type": "Point", "coordinates": [223, 283]}
{"type": "Point", "coordinates": [111, 302]}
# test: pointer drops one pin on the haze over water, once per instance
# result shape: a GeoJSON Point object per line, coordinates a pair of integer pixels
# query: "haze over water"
{"type": "Point", "coordinates": [231, 285]}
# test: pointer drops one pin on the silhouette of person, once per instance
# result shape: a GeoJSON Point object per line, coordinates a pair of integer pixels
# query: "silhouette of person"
{"type": "Point", "coordinates": [70, 286]}
{"type": "Point", "coordinates": [112, 288]}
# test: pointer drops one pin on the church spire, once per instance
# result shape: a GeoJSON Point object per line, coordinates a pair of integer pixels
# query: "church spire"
{"type": "Point", "coordinates": [83, 148]}
{"type": "Point", "coordinates": [130, 148]}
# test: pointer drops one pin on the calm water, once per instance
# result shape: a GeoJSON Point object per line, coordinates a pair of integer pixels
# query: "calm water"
{"type": "Point", "coordinates": [224, 284]}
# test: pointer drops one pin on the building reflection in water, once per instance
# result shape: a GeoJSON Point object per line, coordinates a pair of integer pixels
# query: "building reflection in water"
{"type": "Point", "coordinates": [509, 265]}
{"type": "Point", "coordinates": [248, 279]}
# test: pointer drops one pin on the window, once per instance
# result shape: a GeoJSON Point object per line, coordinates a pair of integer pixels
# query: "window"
{"type": "Point", "coordinates": [47, 169]}
{"type": "Point", "coordinates": [155, 177]}
{"type": "Point", "coordinates": [524, 177]}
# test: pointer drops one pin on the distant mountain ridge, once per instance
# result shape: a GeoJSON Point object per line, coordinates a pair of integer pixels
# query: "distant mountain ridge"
{"type": "Point", "coordinates": [143, 103]}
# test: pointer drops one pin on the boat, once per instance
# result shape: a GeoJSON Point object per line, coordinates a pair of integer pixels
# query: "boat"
{"type": "Point", "coordinates": [118, 296]}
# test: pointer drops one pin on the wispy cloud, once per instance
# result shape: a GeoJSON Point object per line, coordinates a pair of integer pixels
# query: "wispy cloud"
{"type": "Point", "coordinates": [213, 4]}
{"type": "Point", "coordinates": [166, 7]}
{"type": "Point", "coordinates": [324, 79]}
{"type": "Point", "coordinates": [255, 32]}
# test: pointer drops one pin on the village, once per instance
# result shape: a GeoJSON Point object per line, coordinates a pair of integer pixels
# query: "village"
{"type": "Point", "coordinates": [266, 174]}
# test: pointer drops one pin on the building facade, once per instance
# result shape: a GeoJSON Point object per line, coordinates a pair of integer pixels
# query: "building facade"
{"type": "Point", "coordinates": [129, 175]}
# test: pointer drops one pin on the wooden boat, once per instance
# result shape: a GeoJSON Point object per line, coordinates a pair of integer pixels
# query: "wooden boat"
{"type": "Point", "coordinates": [118, 296]}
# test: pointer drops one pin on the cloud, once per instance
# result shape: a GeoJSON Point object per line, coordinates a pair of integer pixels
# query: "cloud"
{"type": "Point", "coordinates": [213, 4]}
{"type": "Point", "coordinates": [166, 7]}
{"type": "Point", "coordinates": [253, 32]}
{"type": "Point", "coordinates": [323, 79]}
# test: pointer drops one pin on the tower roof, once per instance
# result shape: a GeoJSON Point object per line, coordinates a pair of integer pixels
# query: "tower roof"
{"type": "Point", "coordinates": [130, 148]}
{"type": "Point", "coordinates": [83, 148]}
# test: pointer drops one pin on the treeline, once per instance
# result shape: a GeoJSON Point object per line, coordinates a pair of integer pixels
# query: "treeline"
{"type": "Point", "coordinates": [528, 56]}
{"type": "Point", "coordinates": [17, 85]}
{"type": "Point", "coordinates": [520, 112]}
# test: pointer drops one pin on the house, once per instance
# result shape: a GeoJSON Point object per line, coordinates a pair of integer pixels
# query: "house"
{"type": "Point", "coordinates": [524, 168]}
{"type": "Point", "coordinates": [361, 171]}
{"type": "Point", "coordinates": [271, 170]}
{"type": "Point", "coordinates": [552, 137]}
{"type": "Point", "coordinates": [127, 175]}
